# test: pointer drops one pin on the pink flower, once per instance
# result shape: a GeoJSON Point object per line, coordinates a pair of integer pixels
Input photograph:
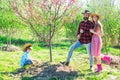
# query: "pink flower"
{"type": "Point", "coordinates": [72, 1]}
{"type": "Point", "coordinates": [56, 2]}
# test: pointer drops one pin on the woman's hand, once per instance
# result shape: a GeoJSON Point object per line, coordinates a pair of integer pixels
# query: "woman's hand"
{"type": "Point", "coordinates": [91, 30]}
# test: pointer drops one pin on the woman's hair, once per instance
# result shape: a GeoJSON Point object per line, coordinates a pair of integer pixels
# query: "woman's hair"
{"type": "Point", "coordinates": [98, 25]}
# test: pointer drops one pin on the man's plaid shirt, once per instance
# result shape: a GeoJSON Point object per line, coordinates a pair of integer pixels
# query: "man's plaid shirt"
{"type": "Point", "coordinates": [86, 36]}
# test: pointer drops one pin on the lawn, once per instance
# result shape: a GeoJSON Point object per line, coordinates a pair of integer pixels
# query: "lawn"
{"type": "Point", "coordinates": [9, 63]}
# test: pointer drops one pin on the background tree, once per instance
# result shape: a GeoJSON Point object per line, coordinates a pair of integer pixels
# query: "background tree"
{"type": "Point", "coordinates": [71, 27]}
{"type": "Point", "coordinates": [9, 23]}
{"type": "Point", "coordinates": [110, 14]}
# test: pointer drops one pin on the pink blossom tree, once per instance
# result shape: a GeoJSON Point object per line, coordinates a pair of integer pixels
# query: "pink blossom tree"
{"type": "Point", "coordinates": [44, 17]}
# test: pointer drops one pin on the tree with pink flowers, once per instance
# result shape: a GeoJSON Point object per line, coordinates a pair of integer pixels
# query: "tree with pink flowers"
{"type": "Point", "coordinates": [45, 17]}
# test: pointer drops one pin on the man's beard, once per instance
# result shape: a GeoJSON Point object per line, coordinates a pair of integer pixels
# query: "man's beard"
{"type": "Point", "coordinates": [85, 18]}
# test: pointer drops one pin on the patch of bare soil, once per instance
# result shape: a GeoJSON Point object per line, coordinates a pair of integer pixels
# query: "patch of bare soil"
{"type": "Point", "coordinates": [115, 62]}
{"type": "Point", "coordinates": [48, 71]}
{"type": "Point", "coordinates": [10, 48]}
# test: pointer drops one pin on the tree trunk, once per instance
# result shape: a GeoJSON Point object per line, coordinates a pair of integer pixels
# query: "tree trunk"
{"type": "Point", "coordinates": [106, 49]}
{"type": "Point", "coordinates": [119, 38]}
{"type": "Point", "coordinates": [50, 49]}
{"type": "Point", "coordinates": [8, 40]}
{"type": "Point", "coordinates": [50, 46]}
{"type": "Point", "coordinates": [106, 42]}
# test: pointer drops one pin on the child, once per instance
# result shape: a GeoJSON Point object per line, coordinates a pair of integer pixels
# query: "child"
{"type": "Point", "coordinates": [25, 59]}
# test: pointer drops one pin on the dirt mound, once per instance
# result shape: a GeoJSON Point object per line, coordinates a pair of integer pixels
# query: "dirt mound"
{"type": "Point", "coordinates": [10, 48]}
{"type": "Point", "coordinates": [115, 62]}
{"type": "Point", "coordinates": [48, 71]}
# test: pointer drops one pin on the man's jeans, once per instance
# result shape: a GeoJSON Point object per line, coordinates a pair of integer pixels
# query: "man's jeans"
{"type": "Point", "coordinates": [78, 44]}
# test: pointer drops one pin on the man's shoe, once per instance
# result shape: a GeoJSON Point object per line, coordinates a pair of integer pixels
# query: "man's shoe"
{"type": "Point", "coordinates": [91, 68]}
{"type": "Point", "coordinates": [62, 62]}
{"type": "Point", "coordinates": [65, 63]}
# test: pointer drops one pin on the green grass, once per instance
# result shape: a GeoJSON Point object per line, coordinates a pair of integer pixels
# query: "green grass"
{"type": "Point", "coordinates": [114, 51]}
{"type": "Point", "coordinates": [9, 62]}
{"type": "Point", "coordinates": [111, 50]}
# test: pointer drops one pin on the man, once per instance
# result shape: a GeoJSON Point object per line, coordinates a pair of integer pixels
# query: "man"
{"type": "Point", "coordinates": [84, 38]}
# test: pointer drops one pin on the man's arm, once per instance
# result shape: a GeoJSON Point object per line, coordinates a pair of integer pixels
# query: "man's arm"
{"type": "Point", "coordinates": [79, 31]}
{"type": "Point", "coordinates": [97, 33]}
{"type": "Point", "coordinates": [91, 28]}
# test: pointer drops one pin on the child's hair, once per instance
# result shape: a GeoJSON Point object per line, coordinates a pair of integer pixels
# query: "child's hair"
{"type": "Point", "coordinates": [26, 46]}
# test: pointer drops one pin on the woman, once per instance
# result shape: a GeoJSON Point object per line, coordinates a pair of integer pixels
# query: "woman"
{"type": "Point", "coordinates": [97, 42]}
